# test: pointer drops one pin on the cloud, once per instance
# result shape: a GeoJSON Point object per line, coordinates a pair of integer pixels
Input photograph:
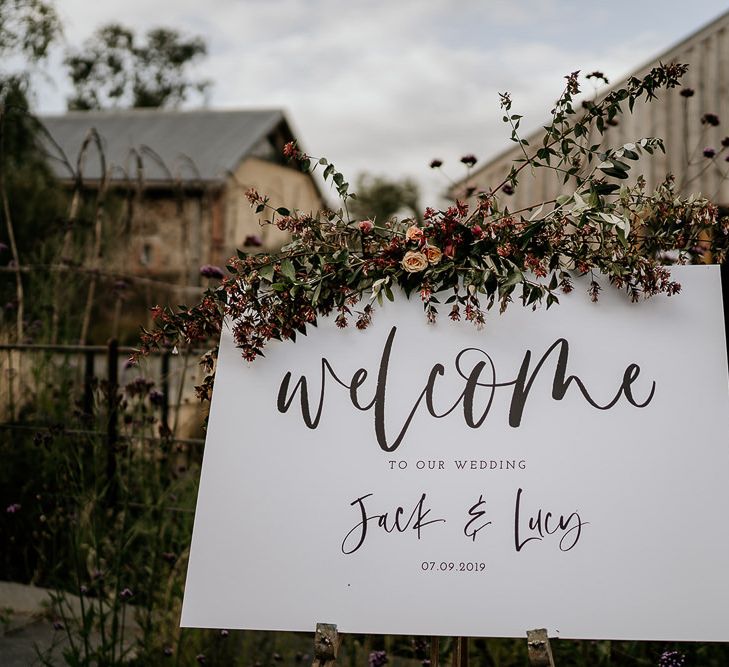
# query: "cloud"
{"type": "Point", "coordinates": [386, 86]}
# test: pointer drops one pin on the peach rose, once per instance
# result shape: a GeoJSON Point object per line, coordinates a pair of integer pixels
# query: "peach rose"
{"type": "Point", "coordinates": [433, 254]}
{"type": "Point", "coordinates": [413, 262]}
{"type": "Point", "coordinates": [413, 233]}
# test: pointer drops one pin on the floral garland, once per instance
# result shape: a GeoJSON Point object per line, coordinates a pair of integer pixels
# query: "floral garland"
{"type": "Point", "coordinates": [478, 253]}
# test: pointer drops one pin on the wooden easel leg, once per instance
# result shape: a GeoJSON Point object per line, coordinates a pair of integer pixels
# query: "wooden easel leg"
{"type": "Point", "coordinates": [460, 652]}
{"type": "Point", "coordinates": [434, 651]}
{"type": "Point", "coordinates": [540, 652]}
{"type": "Point", "coordinates": [326, 645]}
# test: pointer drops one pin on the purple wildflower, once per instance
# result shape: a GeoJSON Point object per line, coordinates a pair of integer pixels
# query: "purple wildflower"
{"type": "Point", "coordinates": [126, 593]}
{"type": "Point", "coordinates": [210, 271]}
{"type": "Point", "coordinates": [507, 189]}
{"type": "Point", "coordinates": [469, 160]}
{"type": "Point", "coordinates": [253, 241]}
{"type": "Point", "coordinates": [710, 119]}
{"type": "Point", "coordinates": [12, 509]}
{"type": "Point", "coordinates": [709, 152]}
{"type": "Point", "coordinates": [671, 659]}
{"type": "Point", "coordinates": [377, 658]}
{"type": "Point", "coordinates": [434, 164]}
{"type": "Point", "coordinates": [687, 92]}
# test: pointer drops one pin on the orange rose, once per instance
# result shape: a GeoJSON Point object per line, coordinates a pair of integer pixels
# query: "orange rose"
{"type": "Point", "coordinates": [413, 233]}
{"type": "Point", "coordinates": [414, 262]}
{"type": "Point", "coordinates": [433, 254]}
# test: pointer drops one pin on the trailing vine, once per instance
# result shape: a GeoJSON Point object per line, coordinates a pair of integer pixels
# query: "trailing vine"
{"type": "Point", "coordinates": [473, 256]}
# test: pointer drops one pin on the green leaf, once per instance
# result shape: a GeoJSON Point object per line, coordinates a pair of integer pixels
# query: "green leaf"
{"type": "Point", "coordinates": [287, 269]}
{"type": "Point", "coordinates": [513, 278]}
{"type": "Point", "coordinates": [615, 173]}
{"type": "Point", "coordinates": [283, 211]}
{"type": "Point", "coordinates": [315, 296]}
{"type": "Point", "coordinates": [266, 272]}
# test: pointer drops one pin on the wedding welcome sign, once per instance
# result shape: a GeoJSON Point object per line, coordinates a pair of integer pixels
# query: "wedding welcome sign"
{"type": "Point", "coordinates": [564, 468]}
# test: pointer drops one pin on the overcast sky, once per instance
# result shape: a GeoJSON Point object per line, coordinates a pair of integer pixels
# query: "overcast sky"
{"type": "Point", "coordinates": [385, 86]}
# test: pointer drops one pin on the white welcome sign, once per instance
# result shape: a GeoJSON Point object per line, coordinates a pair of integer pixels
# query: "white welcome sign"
{"type": "Point", "coordinates": [564, 469]}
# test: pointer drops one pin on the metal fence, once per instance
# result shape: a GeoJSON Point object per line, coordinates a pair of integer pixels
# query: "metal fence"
{"type": "Point", "coordinates": [102, 367]}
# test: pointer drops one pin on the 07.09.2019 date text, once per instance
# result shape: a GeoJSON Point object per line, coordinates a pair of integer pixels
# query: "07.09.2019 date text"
{"type": "Point", "coordinates": [452, 566]}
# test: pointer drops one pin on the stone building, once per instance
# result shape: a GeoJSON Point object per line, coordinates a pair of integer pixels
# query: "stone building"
{"type": "Point", "coordinates": [180, 177]}
{"type": "Point", "coordinates": [673, 117]}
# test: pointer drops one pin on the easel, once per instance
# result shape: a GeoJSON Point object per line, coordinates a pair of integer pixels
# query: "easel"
{"type": "Point", "coordinates": [326, 645]}
{"type": "Point", "coordinates": [540, 652]}
{"type": "Point", "coordinates": [326, 648]}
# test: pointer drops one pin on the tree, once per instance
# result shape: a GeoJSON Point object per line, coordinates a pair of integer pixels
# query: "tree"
{"type": "Point", "coordinates": [27, 191]}
{"type": "Point", "coordinates": [27, 27]}
{"type": "Point", "coordinates": [380, 198]}
{"type": "Point", "coordinates": [114, 70]}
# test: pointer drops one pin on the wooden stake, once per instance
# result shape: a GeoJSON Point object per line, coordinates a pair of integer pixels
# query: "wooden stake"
{"type": "Point", "coordinates": [540, 652]}
{"type": "Point", "coordinates": [326, 645]}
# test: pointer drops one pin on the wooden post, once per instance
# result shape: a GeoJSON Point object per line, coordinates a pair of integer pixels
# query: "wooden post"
{"type": "Point", "coordinates": [165, 386]}
{"type": "Point", "coordinates": [540, 652]}
{"type": "Point", "coordinates": [326, 645]}
{"type": "Point", "coordinates": [112, 406]}
{"type": "Point", "coordinates": [88, 386]}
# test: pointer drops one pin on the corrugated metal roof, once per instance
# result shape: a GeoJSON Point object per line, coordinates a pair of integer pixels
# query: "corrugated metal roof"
{"type": "Point", "coordinates": [192, 145]}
